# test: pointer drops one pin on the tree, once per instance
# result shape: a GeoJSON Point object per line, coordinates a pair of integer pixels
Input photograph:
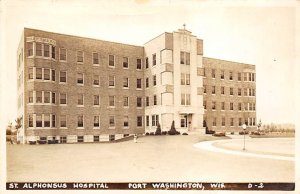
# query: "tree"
{"type": "Point", "coordinates": [18, 124]}
{"type": "Point", "coordinates": [173, 130]}
{"type": "Point", "coordinates": [259, 124]}
{"type": "Point", "coordinates": [158, 129]}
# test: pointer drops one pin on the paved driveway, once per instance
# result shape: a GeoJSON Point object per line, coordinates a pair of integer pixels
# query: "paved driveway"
{"type": "Point", "coordinates": [154, 158]}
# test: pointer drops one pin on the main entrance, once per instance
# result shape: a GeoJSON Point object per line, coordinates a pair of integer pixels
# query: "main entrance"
{"type": "Point", "coordinates": [186, 121]}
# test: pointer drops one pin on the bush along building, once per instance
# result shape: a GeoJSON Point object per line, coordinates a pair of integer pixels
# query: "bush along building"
{"type": "Point", "coordinates": [74, 89]}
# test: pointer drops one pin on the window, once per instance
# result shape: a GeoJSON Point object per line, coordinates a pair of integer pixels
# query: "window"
{"type": "Point", "coordinates": [80, 139]}
{"type": "Point", "coordinates": [112, 101]}
{"type": "Point", "coordinates": [214, 122]}
{"type": "Point", "coordinates": [39, 122]}
{"type": "Point", "coordinates": [111, 121]}
{"type": "Point", "coordinates": [53, 98]}
{"type": "Point", "coordinates": [187, 77]}
{"type": "Point", "coordinates": [147, 120]}
{"type": "Point", "coordinates": [30, 76]}
{"type": "Point", "coordinates": [139, 121]}
{"type": "Point", "coordinates": [250, 92]}
{"type": "Point", "coordinates": [111, 81]}
{"type": "Point", "coordinates": [185, 58]}
{"type": "Point", "coordinates": [147, 101]}
{"type": "Point", "coordinates": [222, 105]}
{"type": "Point", "coordinates": [230, 76]}
{"type": "Point", "coordinates": [204, 74]}
{"type": "Point", "coordinates": [80, 78]}
{"type": "Point", "coordinates": [53, 75]}
{"type": "Point", "coordinates": [222, 90]}
{"type": "Point", "coordinates": [254, 106]}
{"type": "Point", "coordinates": [125, 62]}
{"type": "Point", "coordinates": [39, 98]}
{"type": "Point", "coordinates": [96, 80]}
{"type": "Point", "coordinates": [231, 122]}
{"type": "Point", "coordinates": [46, 50]}
{"type": "Point", "coordinates": [188, 99]}
{"type": "Point", "coordinates": [204, 89]}
{"type": "Point", "coordinates": [139, 101]}
{"type": "Point", "coordinates": [62, 54]}
{"type": "Point", "coordinates": [154, 80]}
{"type": "Point", "coordinates": [213, 73]}
{"type": "Point", "coordinates": [96, 100]}
{"type": "Point", "coordinates": [53, 121]}
{"type": "Point", "coordinates": [239, 76]}
{"type": "Point", "coordinates": [139, 83]}
{"type": "Point", "coordinates": [63, 76]}
{"type": "Point", "coordinates": [111, 60]}
{"type": "Point", "coordinates": [153, 59]}
{"type": "Point", "coordinates": [182, 99]}
{"type": "Point", "coordinates": [63, 98]}
{"type": "Point", "coordinates": [80, 56]}
{"type": "Point", "coordinates": [29, 49]}
{"type": "Point", "coordinates": [80, 99]}
{"type": "Point", "coordinates": [125, 101]}
{"type": "Point", "coordinates": [125, 82]}
{"type": "Point", "coordinates": [154, 100]}
{"type": "Point", "coordinates": [30, 120]}
{"type": "Point", "coordinates": [240, 106]}
{"type": "Point", "coordinates": [46, 74]}
{"type": "Point", "coordinates": [239, 92]}
{"type": "Point", "coordinates": [213, 89]}
{"type": "Point", "coordinates": [223, 121]}
{"type": "Point", "coordinates": [95, 58]}
{"type": "Point", "coordinates": [96, 121]}
{"type": "Point", "coordinates": [240, 121]}
{"type": "Point", "coordinates": [125, 122]}
{"type": "Point", "coordinates": [30, 97]}
{"type": "Point", "coordinates": [231, 105]}
{"type": "Point", "coordinates": [204, 104]}
{"type": "Point", "coordinates": [53, 52]}
{"type": "Point", "coordinates": [139, 63]}
{"type": "Point", "coordinates": [213, 105]}
{"type": "Point", "coordinates": [38, 49]}
{"type": "Point", "coordinates": [147, 82]}
{"type": "Point", "coordinates": [182, 79]}
{"type": "Point", "coordinates": [253, 79]}
{"type": "Point", "coordinates": [63, 121]}
{"type": "Point", "coordinates": [147, 62]}
{"type": "Point", "coordinates": [245, 92]}
{"type": "Point", "coordinates": [155, 120]}
{"type": "Point", "coordinates": [245, 76]}
{"type": "Point", "coordinates": [80, 121]}
{"type": "Point", "coordinates": [245, 106]}
{"type": "Point", "coordinates": [96, 138]}
{"type": "Point", "coordinates": [222, 74]}
{"type": "Point", "coordinates": [231, 91]}
{"type": "Point", "coordinates": [38, 73]}
{"type": "Point", "coordinates": [46, 97]}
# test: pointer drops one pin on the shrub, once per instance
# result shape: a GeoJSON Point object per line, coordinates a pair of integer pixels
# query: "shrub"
{"type": "Point", "coordinates": [232, 133]}
{"type": "Point", "coordinates": [242, 132]}
{"type": "Point", "coordinates": [158, 130]}
{"type": "Point", "coordinates": [147, 133]}
{"type": "Point", "coordinates": [151, 133]}
{"type": "Point", "coordinates": [164, 133]}
{"type": "Point", "coordinates": [184, 134]}
{"type": "Point", "coordinates": [173, 130]}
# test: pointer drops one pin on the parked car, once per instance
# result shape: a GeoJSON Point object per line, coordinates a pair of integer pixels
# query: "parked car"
{"type": "Point", "coordinates": [219, 134]}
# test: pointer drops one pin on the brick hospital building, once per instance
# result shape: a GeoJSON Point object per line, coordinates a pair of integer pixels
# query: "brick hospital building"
{"type": "Point", "coordinates": [75, 89]}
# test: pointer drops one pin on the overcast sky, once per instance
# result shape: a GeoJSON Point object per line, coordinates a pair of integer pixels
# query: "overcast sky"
{"type": "Point", "coordinates": [261, 35]}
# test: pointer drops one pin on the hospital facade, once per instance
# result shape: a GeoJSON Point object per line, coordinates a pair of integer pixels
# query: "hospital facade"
{"type": "Point", "coordinates": [74, 89]}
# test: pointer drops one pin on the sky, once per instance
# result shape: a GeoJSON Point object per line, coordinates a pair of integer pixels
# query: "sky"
{"type": "Point", "coordinates": [258, 33]}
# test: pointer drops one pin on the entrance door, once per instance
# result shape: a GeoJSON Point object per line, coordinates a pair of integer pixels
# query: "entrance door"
{"type": "Point", "coordinates": [183, 121]}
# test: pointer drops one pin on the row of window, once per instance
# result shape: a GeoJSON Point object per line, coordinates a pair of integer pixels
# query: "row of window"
{"type": "Point", "coordinates": [231, 75]}
{"type": "Point", "coordinates": [49, 121]}
{"type": "Point", "coordinates": [80, 138]}
{"type": "Point", "coordinates": [240, 106]}
{"type": "Point", "coordinates": [48, 51]}
{"type": "Point", "coordinates": [247, 91]}
{"type": "Point", "coordinates": [233, 122]}
{"type": "Point", "coordinates": [47, 97]}
{"type": "Point", "coordinates": [45, 74]}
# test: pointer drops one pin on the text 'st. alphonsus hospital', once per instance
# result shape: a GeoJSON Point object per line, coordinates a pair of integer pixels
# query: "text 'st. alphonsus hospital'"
{"type": "Point", "coordinates": [75, 89]}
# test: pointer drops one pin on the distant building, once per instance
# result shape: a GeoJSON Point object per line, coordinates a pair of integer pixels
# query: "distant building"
{"type": "Point", "coordinates": [74, 89]}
